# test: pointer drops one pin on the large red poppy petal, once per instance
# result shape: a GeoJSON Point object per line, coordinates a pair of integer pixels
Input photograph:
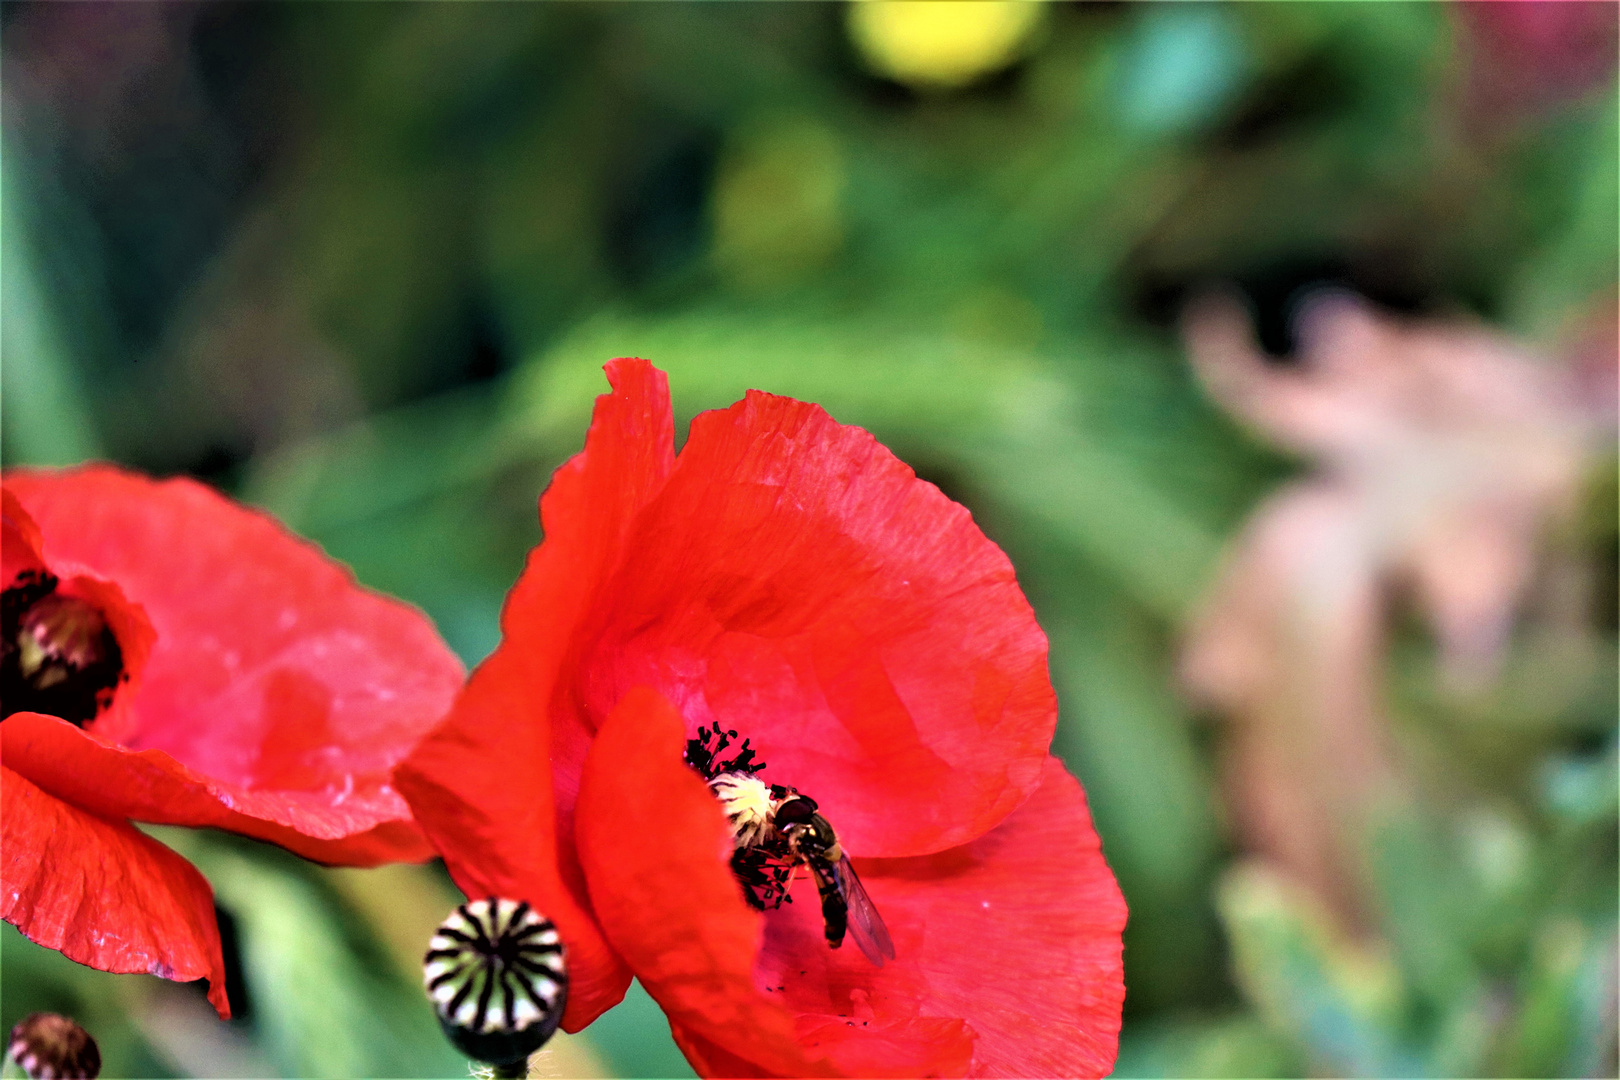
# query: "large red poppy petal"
{"type": "Point", "coordinates": [921, 1046]}
{"type": "Point", "coordinates": [272, 673]}
{"type": "Point", "coordinates": [104, 894]}
{"type": "Point", "coordinates": [480, 785]}
{"type": "Point", "coordinates": [150, 785]}
{"type": "Point", "coordinates": [586, 512]}
{"type": "Point", "coordinates": [1017, 934]}
{"type": "Point", "coordinates": [507, 832]}
{"type": "Point", "coordinates": [889, 1046]}
{"type": "Point", "coordinates": [654, 845]}
{"type": "Point", "coordinates": [795, 581]}
{"type": "Point", "coordinates": [710, 1060]}
{"type": "Point", "coordinates": [19, 541]}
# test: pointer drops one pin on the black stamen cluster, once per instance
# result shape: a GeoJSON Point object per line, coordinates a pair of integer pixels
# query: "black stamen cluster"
{"type": "Point", "coordinates": [766, 869]}
{"type": "Point", "coordinates": [706, 760]}
{"type": "Point", "coordinates": [74, 685]}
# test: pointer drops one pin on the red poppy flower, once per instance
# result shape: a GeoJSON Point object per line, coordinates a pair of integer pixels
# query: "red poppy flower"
{"type": "Point", "coordinates": [788, 579]}
{"type": "Point", "coordinates": [172, 657]}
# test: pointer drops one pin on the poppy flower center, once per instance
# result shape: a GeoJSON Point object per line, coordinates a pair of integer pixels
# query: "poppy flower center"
{"type": "Point", "coordinates": [776, 829]}
{"type": "Point", "coordinates": [761, 859]}
{"type": "Point", "coordinates": [57, 654]}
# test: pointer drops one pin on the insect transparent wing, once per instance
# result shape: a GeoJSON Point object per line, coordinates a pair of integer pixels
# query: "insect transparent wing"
{"type": "Point", "coordinates": [865, 924]}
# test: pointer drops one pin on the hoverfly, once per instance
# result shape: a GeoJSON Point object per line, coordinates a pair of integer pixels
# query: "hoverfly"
{"type": "Point", "coordinates": [844, 903]}
{"type": "Point", "coordinates": [774, 828]}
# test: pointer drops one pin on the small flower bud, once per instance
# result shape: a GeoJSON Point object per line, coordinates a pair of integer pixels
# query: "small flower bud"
{"type": "Point", "coordinates": [496, 973]}
{"type": "Point", "coordinates": [46, 1046]}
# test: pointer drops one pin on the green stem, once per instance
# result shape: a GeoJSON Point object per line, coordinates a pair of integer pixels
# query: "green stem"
{"type": "Point", "coordinates": [518, 1068]}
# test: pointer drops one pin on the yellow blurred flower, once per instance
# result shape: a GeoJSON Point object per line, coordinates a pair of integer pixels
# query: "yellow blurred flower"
{"type": "Point", "coordinates": [942, 43]}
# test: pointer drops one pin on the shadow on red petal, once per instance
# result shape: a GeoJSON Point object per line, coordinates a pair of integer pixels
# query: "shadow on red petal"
{"type": "Point", "coordinates": [920, 1046]}
{"type": "Point", "coordinates": [20, 541]}
{"type": "Point", "coordinates": [1017, 934]}
{"type": "Point", "coordinates": [480, 785]}
{"type": "Point", "coordinates": [710, 1060]}
{"type": "Point", "coordinates": [366, 828]}
{"type": "Point", "coordinates": [104, 894]}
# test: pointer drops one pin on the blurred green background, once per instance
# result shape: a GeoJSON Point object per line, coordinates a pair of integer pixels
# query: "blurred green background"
{"type": "Point", "coordinates": [361, 264]}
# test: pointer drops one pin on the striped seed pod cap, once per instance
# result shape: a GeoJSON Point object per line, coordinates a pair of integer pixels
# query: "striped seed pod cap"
{"type": "Point", "coordinates": [46, 1046]}
{"type": "Point", "coordinates": [497, 976]}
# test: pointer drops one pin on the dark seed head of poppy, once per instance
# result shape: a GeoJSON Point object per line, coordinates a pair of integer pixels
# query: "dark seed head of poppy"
{"type": "Point", "coordinates": [46, 1046]}
{"type": "Point", "coordinates": [57, 653]}
{"type": "Point", "coordinates": [498, 979]}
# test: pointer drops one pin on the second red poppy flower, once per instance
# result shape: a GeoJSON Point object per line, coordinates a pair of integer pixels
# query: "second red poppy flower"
{"type": "Point", "coordinates": [170, 656]}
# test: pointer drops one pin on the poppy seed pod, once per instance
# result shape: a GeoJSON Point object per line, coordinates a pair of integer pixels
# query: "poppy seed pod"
{"type": "Point", "coordinates": [47, 1046]}
{"type": "Point", "coordinates": [497, 977]}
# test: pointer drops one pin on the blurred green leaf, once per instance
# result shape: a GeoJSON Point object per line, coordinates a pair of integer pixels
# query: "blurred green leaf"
{"type": "Point", "coordinates": [326, 1003]}
{"type": "Point", "coordinates": [1342, 1002]}
{"type": "Point", "coordinates": [1181, 66]}
{"type": "Point", "coordinates": [1549, 684]}
{"type": "Point", "coordinates": [1233, 1046]}
{"type": "Point", "coordinates": [46, 414]}
{"type": "Point", "coordinates": [634, 1037]}
{"type": "Point", "coordinates": [35, 979]}
{"type": "Point", "coordinates": [1130, 742]}
{"type": "Point", "coordinates": [1553, 1035]}
{"type": "Point", "coordinates": [1581, 789]}
{"type": "Point", "coordinates": [1576, 266]}
{"type": "Point", "coordinates": [1415, 873]}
